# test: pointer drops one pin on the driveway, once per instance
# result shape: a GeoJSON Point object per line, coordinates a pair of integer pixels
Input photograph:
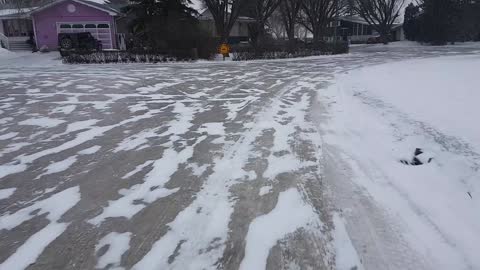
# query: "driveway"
{"type": "Point", "coordinates": [210, 165]}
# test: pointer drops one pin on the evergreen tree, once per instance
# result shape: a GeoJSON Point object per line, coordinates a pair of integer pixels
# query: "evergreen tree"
{"type": "Point", "coordinates": [440, 21]}
{"type": "Point", "coordinates": [410, 22]}
{"type": "Point", "coordinates": [162, 23]}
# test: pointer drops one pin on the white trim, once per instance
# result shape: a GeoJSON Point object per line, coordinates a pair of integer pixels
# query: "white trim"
{"type": "Point", "coordinates": [110, 12]}
{"type": "Point", "coordinates": [90, 22]}
{"type": "Point", "coordinates": [35, 33]}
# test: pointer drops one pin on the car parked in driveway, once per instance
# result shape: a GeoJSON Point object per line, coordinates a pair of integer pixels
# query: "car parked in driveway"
{"type": "Point", "coordinates": [375, 40]}
{"type": "Point", "coordinates": [84, 41]}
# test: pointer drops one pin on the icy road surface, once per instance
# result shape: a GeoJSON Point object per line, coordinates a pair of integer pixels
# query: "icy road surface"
{"type": "Point", "coordinates": [211, 166]}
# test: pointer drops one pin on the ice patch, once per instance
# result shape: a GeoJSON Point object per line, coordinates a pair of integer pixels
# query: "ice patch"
{"type": "Point", "coordinates": [89, 151]}
{"type": "Point", "coordinates": [290, 214]}
{"type": "Point", "coordinates": [118, 244]}
{"type": "Point", "coordinates": [5, 120]}
{"type": "Point", "coordinates": [213, 129]}
{"type": "Point", "coordinates": [283, 164]}
{"type": "Point", "coordinates": [8, 136]}
{"type": "Point", "coordinates": [84, 87]}
{"type": "Point", "coordinates": [137, 140]}
{"type": "Point", "coordinates": [6, 193]}
{"type": "Point", "coordinates": [42, 122]}
{"type": "Point", "coordinates": [60, 166]}
{"type": "Point", "coordinates": [68, 109]}
{"type": "Point", "coordinates": [233, 108]}
{"type": "Point", "coordinates": [82, 137]}
{"type": "Point", "coordinates": [158, 86]}
{"type": "Point", "coordinates": [151, 189]}
{"type": "Point", "coordinates": [264, 190]}
{"type": "Point", "coordinates": [139, 168]}
{"type": "Point", "coordinates": [197, 170]}
{"type": "Point", "coordinates": [138, 107]}
{"type": "Point", "coordinates": [182, 123]}
{"type": "Point", "coordinates": [76, 126]}
{"type": "Point", "coordinates": [12, 148]}
{"type": "Point", "coordinates": [8, 169]}
{"type": "Point", "coordinates": [29, 251]}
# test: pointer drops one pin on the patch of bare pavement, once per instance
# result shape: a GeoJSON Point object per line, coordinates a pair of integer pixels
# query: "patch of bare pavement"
{"type": "Point", "coordinates": [182, 166]}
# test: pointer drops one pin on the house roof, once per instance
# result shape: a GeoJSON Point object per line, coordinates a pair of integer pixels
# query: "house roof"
{"type": "Point", "coordinates": [14, 13]}
{"type": "Point", "coordinates": [207, 16]}
{"type": "Point", "coordinates": [354, 19]}
{"type": "Point", "coordinates": [90, 3]}
{"type": "Point", "coordinates": [396, 26]}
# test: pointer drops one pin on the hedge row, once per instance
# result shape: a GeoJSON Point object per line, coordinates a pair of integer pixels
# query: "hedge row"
{"type": "Point", "coordinates": [239, 53]}
{"type": "Point", "coordinates": [281, 51]}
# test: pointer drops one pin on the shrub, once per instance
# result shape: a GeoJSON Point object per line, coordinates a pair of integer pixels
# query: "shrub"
{"type": "Point", "coordinates": [281, 50]}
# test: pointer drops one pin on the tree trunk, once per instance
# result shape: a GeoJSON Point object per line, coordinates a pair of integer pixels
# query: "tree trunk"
{"type": "Point", "coordinates": [317, 37]}
{"type": "Point", "coordinates": [291, 38]}
{"type": "Point", "coordinates": [385, 35]}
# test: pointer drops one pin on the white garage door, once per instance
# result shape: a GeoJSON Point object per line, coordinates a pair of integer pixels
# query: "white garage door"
{"type": "Point", "coordinates": [100, 30]}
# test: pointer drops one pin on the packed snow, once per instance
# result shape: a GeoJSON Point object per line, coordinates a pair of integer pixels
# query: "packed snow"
{"type": "Point", "coordinates": [42, 122]}
{"type": "Point", "coordinates": [116, 244]}
{"type": "Point", "coordinates": [59, 166]}
{"type": "Point", "coordinates": [290, 214]}
{"type": "Point", "coordinates": [90, 150]}
{"type": "Point", "coordinates": [346, 257]}
{"type": "Point", "coordinates": [29, 251]}
{"type": "Point", "coordinates": [381, 117]}
{"type": "Point", "coordinates": [7, 192]}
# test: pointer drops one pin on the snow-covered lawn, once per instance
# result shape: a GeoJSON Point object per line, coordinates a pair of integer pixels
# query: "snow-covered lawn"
{"type": "Point", "coordinates": [377, 117]}
{"type": "Point", "coordinates": [13, 59]}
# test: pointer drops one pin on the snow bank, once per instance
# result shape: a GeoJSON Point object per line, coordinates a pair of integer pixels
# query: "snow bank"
{"type": "Point", "coordinates": [440, 91]}
{"type": "Point", "coordinates": [378, 116]}
{"type": "Point", "coordinates": [4, 52]}
{"type": "Point", "coordinates": [9, 59]}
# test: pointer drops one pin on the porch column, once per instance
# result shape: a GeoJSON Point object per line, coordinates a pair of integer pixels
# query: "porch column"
{"type": "Point", "coordinates": [35, 33]}
{"type": "Point", "coordinates": [1, 27]}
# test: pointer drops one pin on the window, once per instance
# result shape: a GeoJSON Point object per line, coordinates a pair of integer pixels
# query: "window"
{"type": "Point", "coordinates": [65, 26]}
{"type": "Point", "coordinates": [103, 26]}
{"type": "Point", "coordinates": [90, 26]}
{"type": "Point", "coordinates": [77, 26]}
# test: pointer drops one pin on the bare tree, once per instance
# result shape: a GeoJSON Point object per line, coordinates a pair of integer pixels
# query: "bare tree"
{"type": "Point", "coordinates": [380, 14]}
{"type": "Point", "coordinates": [316, 14]}
{"type": "Point", "coordinates": [225, 13]}
{"type": "Point", "coordinates": [260, 10]}
{"type": "Point", "coordinates": [275, 25]}
{"type": "Point", "coordinates": [289, 10]}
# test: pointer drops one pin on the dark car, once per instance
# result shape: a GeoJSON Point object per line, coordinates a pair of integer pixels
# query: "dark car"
{"type": "Point", "coordinates": [78, 41]}
{"type": "Point", "coordinates": [375, 40]}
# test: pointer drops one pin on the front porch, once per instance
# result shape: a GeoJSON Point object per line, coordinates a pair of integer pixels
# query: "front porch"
{"type": "Point", "coordinates": [15, 31]}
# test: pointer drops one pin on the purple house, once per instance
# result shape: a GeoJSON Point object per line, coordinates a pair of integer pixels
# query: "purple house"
{"type": "Point", "coordinates": [61, 16]}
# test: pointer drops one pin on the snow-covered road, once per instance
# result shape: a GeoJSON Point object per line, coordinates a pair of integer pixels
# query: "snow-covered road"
{"type": "Point", "coordinates": [223, 166]}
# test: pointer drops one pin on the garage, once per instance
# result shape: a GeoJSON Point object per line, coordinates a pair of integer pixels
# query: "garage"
{"type": "Point", "coordinates": [99, 30]}
{"type": "Point", "coordinates": [74, 16]}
